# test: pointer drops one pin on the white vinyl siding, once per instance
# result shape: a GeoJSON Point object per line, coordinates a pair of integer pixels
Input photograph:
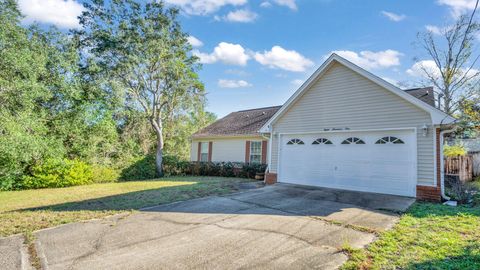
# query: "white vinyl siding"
{"type": "Point", "coordinates": [225, 149]}
{"type": "Point", "coordinates": [341, 98]}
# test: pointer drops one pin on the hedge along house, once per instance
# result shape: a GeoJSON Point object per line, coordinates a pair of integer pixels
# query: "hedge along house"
{"type": "Point", "coordinates": [344, 128]}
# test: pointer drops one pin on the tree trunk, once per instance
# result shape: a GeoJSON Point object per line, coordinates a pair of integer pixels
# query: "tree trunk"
{"type": "Point", "coordinates": [157, 126]}
{"type": "Point", "coordinates": [159, 156]}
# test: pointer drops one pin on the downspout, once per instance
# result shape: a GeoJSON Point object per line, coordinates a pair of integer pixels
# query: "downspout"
{"type": "Point", "coordinates": [269, 149]}
{"type": "Point", "coordinates": [442, 162]}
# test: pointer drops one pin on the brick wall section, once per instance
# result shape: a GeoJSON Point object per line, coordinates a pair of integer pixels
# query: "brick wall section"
{"type": "Point", "coordinates": [434, 194]}
{"type": "Point", "coordinates": [270, 178]}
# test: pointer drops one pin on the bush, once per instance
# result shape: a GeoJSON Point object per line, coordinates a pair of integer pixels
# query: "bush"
{"type": "Point", "coordinates": [103, 174]}
{"type": "Point", "coordinates": [140, 169]}
{"type": "Point", "coordinates": [462, 192]}
{"type": "Point", "coordinates": [454, 150]}
{"type": "Point", "coordinates": [54, 173]}
{"type": "Point", "coordinates": [250, 169]}
{"type": "Point", "coordinates": [145, 168]}
{"type": "Point", "coordinates": [174, 166]}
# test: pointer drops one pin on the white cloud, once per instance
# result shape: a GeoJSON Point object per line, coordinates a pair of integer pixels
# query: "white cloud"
{"type": "Point", "coordinates": [434, 29]}
{"type": "Point", "coordinates": [233, 83]}
{"type": "Point", "coordinates": [372, 60]}
{"type": "Point", "coordinates": [278, 57]}
{"type": "Point", "coordinates": [241, 15]}
{"type": "Point", "coordinates": [394, 17]}
{"type": "Point", "coordinates": [62, 13]}
{"type": "Point", "coordinates": [204, 7]}
{"type": "Point", "coordinates": [265, 4]}
{"type": "Point", "coordinates": [458, 7]}
{"type": "Point", "coordinates": [419, 68]}
{"type": "Point", "coordinates": [297, 82]}
{"type": "Point", "coordinates": [195, 42]}
{"type": "Point", "coordinates": [227, 53]}
{"type": "Point", "coordinates": [288, 3]}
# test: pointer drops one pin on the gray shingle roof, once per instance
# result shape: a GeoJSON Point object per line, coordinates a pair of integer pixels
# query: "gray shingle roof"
{"type": "Point", "coordinates": [241, 123]}
{"type": "Point", "coordinates": [425, 94]}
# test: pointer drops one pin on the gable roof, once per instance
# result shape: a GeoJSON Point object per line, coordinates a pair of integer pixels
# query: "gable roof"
{"type": "Point", "coordinates": [438, 117]}
{"type": "Point", "coordinates": [241, 123]}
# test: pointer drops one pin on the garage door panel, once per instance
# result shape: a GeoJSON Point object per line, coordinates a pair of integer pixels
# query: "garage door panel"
{"type": "Point", "coordinates": [384, 168]}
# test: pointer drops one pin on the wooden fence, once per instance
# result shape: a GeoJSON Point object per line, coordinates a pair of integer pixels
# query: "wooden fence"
{"type": "Point", "coordinates": [461, 166]}
{"type": "Point", "coordinates": [476, 163]}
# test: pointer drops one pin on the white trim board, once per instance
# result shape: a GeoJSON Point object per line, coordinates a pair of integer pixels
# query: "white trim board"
{"type": "Point", "coordinates": [438, 117]}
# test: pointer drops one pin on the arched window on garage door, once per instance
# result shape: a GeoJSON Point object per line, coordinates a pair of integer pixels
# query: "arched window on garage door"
{"type": "Point", "coordinates": [295, 141]}
{"type": "Point", "coordinates": [389, 139]}
{"type": "Point", "coordinates": [322, 141]}
{"type": "Point", "coordinates": [353, 140]}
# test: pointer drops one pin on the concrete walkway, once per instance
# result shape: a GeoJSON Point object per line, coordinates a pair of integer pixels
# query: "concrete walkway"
{"type": "Point", "coordinates": [276, 227]}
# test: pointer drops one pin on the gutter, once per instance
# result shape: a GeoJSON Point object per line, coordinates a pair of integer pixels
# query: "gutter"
{"type": "Point", "coordinates": [267, 169]}
{"type": "Point", "coordinates": [442, 162]}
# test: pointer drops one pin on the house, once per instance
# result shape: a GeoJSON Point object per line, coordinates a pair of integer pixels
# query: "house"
{"type": "Point", "coordinates": [344, 128]}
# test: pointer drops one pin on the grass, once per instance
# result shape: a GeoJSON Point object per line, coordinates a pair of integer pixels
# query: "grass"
{"type": "Point", "coordinates": [29, 210]}
{"type": "Point", "coordinates": [428, 236]}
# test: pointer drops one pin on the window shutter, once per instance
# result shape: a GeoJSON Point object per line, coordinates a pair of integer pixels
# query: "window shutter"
{"type": "Point", "coordinates": [247, 151]}
{"type": "Point", "coordinates": [264, 152]}
{"type": "Point", "coordinates": [210, 151]}
{"type": "Point", "coordinates": [199, 150]}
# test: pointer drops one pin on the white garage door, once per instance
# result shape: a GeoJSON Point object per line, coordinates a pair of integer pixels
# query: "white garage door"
{"type": "Point", "coordinates": [380, 161]}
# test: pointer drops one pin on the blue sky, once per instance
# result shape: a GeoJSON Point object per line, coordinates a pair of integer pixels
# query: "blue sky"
{"type": "Point", "coordinates": [257, 53]}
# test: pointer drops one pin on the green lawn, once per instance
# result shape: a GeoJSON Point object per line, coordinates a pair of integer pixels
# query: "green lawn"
{"type": "Point", "coordinates": [428, 236]}
{"type": "Point", "coordinates": [29, 210]}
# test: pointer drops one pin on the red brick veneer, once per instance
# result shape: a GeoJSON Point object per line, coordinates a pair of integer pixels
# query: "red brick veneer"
{"type": "Point", "coordinates": [270, 178]}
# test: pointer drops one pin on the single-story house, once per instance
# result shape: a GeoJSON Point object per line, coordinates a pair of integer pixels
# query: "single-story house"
{"type": "Point", "coordinates": [344, 128]}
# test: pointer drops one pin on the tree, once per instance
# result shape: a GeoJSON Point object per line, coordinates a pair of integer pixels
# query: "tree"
{"type": "Point", "coordinates": [454, 74]}
{"type": "Point", "coordinates": [142, 51]}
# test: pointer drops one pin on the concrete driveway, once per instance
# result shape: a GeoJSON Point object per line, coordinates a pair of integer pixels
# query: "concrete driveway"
{"type": "Point", "coordinates": [276, 227]}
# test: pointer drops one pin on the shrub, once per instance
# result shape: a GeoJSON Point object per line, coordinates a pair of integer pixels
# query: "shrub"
{"type": "Point", "coordinates": [250, 169]}
{"type": "Point", "coordinates": [454, 150]}
{"type": "Point", "coordinates": [145, 168]}
{"type": "Point", "coordinates": [462, 192]}
{"type": "Point", "coordinates": [103, 174]}
{"type": "Point", "coordinates": [140, 169]}
{"type": "Point", "coordinates": [225, 169]}
{"type": "Point", "coordinates": [58, 173]}
{"type": "Point", "coordinates": [174, 166]}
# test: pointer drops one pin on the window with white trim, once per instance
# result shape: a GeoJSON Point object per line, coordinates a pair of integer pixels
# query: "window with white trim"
{"type": "Point", "coordinates": [295, 141]}
{"type": "Point", "coordinates": [322, 141]}
{"type": "Point", "coordinates": [389, 139]}
{"type": "Point", "coordinates": [255, 152]}
{"type": "Point", "coordinates": [204, 151]}
{"type": "Point", "coordinates": [353, 140]}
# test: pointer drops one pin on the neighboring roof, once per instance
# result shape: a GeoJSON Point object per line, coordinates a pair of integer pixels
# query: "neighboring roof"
{"type": "Point", "coordinates": [425, 94]}
{"type": "Point", "coordinates": [438, 117]}
{"type": "Point", "coordinates": [241, 123]}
